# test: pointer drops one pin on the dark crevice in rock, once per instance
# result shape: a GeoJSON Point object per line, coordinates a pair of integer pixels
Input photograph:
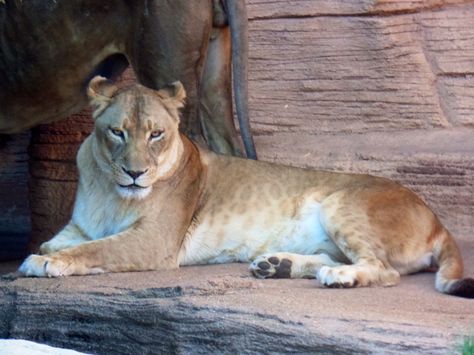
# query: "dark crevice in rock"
{"type": "Point", "coordinates": [374, 12]}
{"type": "Point", "coordinates": [8, 310]}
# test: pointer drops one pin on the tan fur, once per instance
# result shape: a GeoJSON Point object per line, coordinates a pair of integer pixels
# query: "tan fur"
{"type": "Point", "coordinates": [195, 207]}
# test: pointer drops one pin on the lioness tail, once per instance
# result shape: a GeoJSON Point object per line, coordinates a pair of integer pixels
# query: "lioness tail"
{"type": "Point", "coordinates": [449, 276]}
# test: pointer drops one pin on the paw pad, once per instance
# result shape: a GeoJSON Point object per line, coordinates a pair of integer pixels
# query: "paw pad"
{"type": "Point", "coordinates": [266, 267]}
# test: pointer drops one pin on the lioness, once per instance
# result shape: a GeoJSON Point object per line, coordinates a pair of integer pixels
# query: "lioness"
{"type": "Point", "coordinates": [149, 199]}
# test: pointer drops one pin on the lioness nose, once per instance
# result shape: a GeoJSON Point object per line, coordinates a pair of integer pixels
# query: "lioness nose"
{"type": "Point", "coordinates": [134, 174]}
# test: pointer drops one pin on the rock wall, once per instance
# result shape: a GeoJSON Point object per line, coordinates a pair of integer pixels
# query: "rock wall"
{"type": "Point", "coordinates": [53, 174]}
{"type": "Point", "coordinates": [384, 87]}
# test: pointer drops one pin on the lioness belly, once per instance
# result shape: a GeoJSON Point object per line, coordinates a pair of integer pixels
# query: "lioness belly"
{"type": "Point", "coordinates": [241, 237]}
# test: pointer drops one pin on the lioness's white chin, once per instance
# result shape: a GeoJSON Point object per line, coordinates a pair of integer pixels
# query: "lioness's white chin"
{"type": "Point", "coordinates": [133, 191]}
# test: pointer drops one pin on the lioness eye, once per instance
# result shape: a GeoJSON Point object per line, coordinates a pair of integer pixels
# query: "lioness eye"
{"type": "Point", "coordinates": [117, 132]}
{"type": "Point", "coordinates": [158, 134]}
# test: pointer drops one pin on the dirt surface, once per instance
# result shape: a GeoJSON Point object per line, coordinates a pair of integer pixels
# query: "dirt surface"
{"type": "Point", "coordinates": [223, 308]}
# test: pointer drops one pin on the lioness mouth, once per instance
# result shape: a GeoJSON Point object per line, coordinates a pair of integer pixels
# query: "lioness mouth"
{"type": "Point", "coordinates": [132, 186]}
{"type": "Point", "coordinates": [133, 191]}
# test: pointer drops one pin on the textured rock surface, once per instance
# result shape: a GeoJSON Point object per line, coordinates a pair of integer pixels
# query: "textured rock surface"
{"type": "Point", "coordinates": [53, 173]}
{"type": "Point", "coordinates": [384, 87]}
{"type": "Point", "coordinates": [221, 308]}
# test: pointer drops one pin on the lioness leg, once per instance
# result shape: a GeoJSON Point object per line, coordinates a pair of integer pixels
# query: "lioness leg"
{"type": "Point", "coordinates": [289, 265]}
{"type": "Point", "coordinates": [69, 236]}
{"type": "Point", "coordinates": [126, 251]}
{"type": "Point", "coordinates": [348, 220]}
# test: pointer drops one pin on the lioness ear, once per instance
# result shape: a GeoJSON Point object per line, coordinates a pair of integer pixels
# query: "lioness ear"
{"type": "Point", "coordinates": [100, 91]}
{"type": "Point", "coordinates": [173, 94]}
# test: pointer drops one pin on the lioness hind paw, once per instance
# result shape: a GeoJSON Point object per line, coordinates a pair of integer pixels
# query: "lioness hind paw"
{"type": "Point", "coordinates": [266, 266]}
{"type": "Point", "coordinates": [337, 277]}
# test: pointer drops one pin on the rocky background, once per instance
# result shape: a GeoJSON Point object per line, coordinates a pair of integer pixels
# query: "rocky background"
{"type": "Point", "coordinates": [384, 87]}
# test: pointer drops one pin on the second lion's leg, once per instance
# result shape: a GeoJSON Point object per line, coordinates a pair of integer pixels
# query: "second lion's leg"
{"type": "Point", "coordinates": [290, 265]}
{"type": "Point", "coordinates": [170, 43]}
{"type": "Point", "coordinates": [215, 99]}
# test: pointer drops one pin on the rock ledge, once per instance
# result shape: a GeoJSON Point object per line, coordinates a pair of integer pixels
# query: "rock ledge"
{"type": "Point", "coordinates": [221, 308]}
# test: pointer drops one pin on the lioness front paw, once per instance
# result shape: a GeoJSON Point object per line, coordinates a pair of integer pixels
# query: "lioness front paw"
{"type": "Point", "coordinates": [337, 277]}
{"type": "Point", "coordinates": [44, 266]}
{"type": "Point", "coordinates": [266, 266]}
{"type": "Point", "coordinates": [46, 248]}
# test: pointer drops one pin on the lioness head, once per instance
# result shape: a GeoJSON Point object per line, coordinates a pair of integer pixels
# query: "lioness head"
{"type": "Point", "coordinates": [136, 137]}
